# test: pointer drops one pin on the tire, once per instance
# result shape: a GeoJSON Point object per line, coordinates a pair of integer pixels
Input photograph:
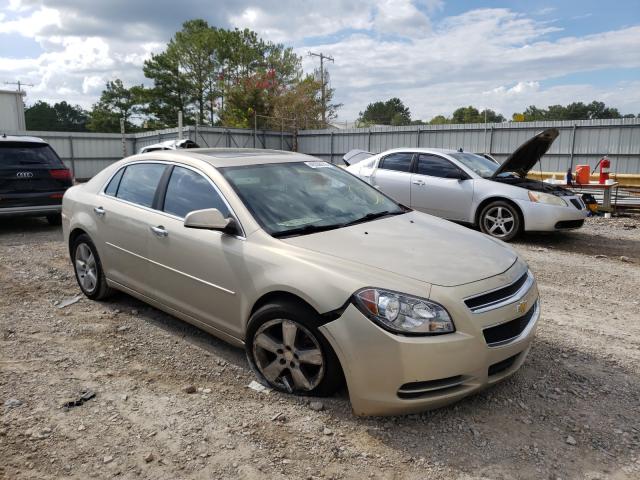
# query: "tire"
{"type": "Point", "coordinates": [277, 361]}
{"type": "Point", "coordinates": [85, 260]}
{"type": "Point", "coordinates": [55, 219]}
{"type": "Point", "coordinates": [501, 220]}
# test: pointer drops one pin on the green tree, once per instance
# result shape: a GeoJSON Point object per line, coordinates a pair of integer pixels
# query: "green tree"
{"type": "Point", "coordinates": [439, 120]}
{"type": "Point", "coordinates": [41, 116]}
{"type": "Point", "coordinates": [170, 92]}
{"type": "Point", "coordinates": [194, 49]}
{"type": "Point", "coordinates": [471, 114]}
{"type": "Point", "coordinates": [301, 105]}
{"type": "Point", "coordinates": [465, 115]}
{"type": "Point", "coordinates": [61, 117]}
{"type": "Point", "coordinates": [209, 72]}
{"type": "Point", "coordinates": [116, 102]}
{"type": "Point", "coordinates": [391, 112]}
{"type": "Point", "coordinates": [572, 111]}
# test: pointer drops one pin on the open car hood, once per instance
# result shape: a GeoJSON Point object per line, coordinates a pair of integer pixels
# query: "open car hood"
{"type": "Point", "coordinates": [528, 154]}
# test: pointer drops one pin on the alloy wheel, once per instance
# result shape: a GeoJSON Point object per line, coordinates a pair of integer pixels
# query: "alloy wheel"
{"type": "Point", "coordinates": [288, 355]}
{"type": "Point", "coordinates": [86, 268]}
{"type": "Point", "coordinates": [499, 221]}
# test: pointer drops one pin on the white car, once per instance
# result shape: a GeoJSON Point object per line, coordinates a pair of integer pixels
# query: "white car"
{"type": "Point", "coordinates": [472, 189]}
{"type": "Point", "coordinates": [170, 145]}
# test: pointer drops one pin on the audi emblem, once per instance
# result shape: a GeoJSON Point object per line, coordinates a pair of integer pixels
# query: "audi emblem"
{"type": "Point", "coordinates": [24, 174]}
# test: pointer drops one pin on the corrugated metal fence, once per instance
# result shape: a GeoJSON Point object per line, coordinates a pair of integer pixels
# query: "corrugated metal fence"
{"type": "Point", "coordinates": [580, 142]}
{"type": "Point", "coordinates": [88, 153]}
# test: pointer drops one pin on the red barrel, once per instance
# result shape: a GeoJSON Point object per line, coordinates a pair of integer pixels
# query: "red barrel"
{"type": "Point", "coordinates": [583, 173]}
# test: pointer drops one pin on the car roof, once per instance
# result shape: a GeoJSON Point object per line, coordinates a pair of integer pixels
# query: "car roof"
{"type": "Point", "coordinates": [227, 157]}
{"type": "Point", "coordinates": [420, 150]}
{"type": "Point", "coordinates": [20, 138]}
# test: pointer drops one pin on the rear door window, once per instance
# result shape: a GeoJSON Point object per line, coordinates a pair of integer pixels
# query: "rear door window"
{"type": "Point", "coordinates": [188, 191]}
{"type": "Point", "coordinates": [139, 183]}
{"type": "Point", "coordinates": [27, 154]}
{"type": "Point", "coordinates": [400, 162]}
{"type": "Point", "coordinates": [435, 166]}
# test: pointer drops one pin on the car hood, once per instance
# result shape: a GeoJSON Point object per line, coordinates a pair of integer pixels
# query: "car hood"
{"type": "Point", "coordinates": [528, 154]}
{"type": "Point", "coordinates": [415, 245]}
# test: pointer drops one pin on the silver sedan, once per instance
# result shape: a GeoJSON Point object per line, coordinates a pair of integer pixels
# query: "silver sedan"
{"type": "Point", "coordinates": [472, 189]}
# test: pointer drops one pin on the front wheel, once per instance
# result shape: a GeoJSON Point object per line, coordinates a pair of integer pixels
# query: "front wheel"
{"type": "Point", "coordinates": [288, 353]}
{"type": "Point", "coordinates": [88, 269]}
{"type": "Point", "coordinates": [501, 220]}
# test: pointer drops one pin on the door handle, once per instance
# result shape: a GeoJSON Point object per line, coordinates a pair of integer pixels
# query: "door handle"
{"type": "Point", "coordinates": [159, 231]}
{"type": "Point", "coordinates": [417, 182]}
{"type": "Point", "coordinates": [99, 211]}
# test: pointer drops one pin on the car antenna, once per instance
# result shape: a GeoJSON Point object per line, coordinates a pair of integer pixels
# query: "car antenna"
{"type": "Point", "coordinates": [4, 135]}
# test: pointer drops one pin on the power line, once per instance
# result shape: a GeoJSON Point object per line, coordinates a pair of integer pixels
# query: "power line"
{"type": "Point", "coordinates": [19, 84]}
{"type": "Point", "coordinates": [323, 57]}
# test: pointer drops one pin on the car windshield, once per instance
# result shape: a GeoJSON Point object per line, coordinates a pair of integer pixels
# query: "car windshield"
{"type": "Point", "coordinates": [481, 165]}
{"type": "Point", "coordinates": [16, 154]}
{"type": "Point", "coordinates": [306, 197]}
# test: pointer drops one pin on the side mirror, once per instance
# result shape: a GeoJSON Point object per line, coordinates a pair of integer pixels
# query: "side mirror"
{"type": "Point", "coordinates": [210, 219]}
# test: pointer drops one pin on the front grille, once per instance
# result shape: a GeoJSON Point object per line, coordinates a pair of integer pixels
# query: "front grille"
{"type": "Point", "coordinates": [505, 332]}
{"type": "Point", "coordinates": [570, 223]}
{"type": "Point", "coordinates": [503, 365]}
{"type": "Point", "coordinates": [577, 203]}
{"type": "Point", "coordinates": [486, 300]}
{"type": "Point", "coordinates": [430, 387]}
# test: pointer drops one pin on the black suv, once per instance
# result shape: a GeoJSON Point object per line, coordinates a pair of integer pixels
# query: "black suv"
{"type": "Point", "coordinates": [33, 179]}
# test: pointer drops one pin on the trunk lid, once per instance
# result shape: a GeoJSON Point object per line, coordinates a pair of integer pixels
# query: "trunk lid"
{"type": "Point", "coordinates": [528, 154]}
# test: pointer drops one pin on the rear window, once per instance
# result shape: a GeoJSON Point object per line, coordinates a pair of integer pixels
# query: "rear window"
{"type": "Point", "coordinates": [26, 153]}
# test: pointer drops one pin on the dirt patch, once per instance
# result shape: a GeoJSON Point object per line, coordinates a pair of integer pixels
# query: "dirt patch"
{"type": "Point", "coordinates": [573, 411]}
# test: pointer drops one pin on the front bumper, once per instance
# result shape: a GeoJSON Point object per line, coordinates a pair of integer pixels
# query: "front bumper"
{"type": "Point", "coordinates": [540, 217]}
{"type": "Point", "coordinates": [390, 374]}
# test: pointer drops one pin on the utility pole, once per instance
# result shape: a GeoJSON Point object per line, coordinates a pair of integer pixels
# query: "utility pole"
{"type": "Point", "coordinates": [124, 141]}
{"type": "Point", "coordinates": [323, 57]}
{"type": "Point", "coordinates": [19, 84]}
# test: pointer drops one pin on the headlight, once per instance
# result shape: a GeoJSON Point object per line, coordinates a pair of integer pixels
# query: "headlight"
{"type": "Point", "coordinates": [539, 197]}
{"type": "Point", "coordinates": [404, 314]}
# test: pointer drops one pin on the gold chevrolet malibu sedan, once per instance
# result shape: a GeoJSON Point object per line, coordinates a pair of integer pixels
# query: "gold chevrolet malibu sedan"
{"type": "Point", "coordinates": [319, 276]}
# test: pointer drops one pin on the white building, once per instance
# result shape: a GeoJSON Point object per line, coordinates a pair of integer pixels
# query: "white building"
{"type": "Point", "coordinates": [11, 112]}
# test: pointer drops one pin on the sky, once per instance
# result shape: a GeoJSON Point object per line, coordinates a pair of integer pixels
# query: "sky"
{"type": "Point", "coordinates": [435, 55]}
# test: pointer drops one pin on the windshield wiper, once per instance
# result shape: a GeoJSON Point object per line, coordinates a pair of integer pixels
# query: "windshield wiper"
{"type": "Point", "coordinates": [306, 230]}
{"type": "Point", "coordinates": [372, 216]}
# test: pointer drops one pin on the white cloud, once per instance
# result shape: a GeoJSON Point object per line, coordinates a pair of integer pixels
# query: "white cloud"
{"type": "Point", "coordinates": [93, 84]}
{"type": "Point", "coordinates": [401, 17]}
{"type": "Point", "coordinates": [31, 25]}
{"type": "Point", "coordinates": [494, 58]}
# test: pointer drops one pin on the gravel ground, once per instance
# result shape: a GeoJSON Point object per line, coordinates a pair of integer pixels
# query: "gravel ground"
{"type": "Point", "coordinates": [573, 410]}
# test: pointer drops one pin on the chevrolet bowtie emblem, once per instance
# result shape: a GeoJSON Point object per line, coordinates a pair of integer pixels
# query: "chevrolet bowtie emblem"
{"type": "Point", "coordinates": [522, 307]}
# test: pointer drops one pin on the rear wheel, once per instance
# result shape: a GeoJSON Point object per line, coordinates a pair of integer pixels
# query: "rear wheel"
{"type": "Point", "coordinates": [88, 269]}
{"type": "Point", "coordinates": [501, 220]}
{"type": "Point", "coordinates": [288, 353]}
{"type": "Point", "coordinates": [55, 219]}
